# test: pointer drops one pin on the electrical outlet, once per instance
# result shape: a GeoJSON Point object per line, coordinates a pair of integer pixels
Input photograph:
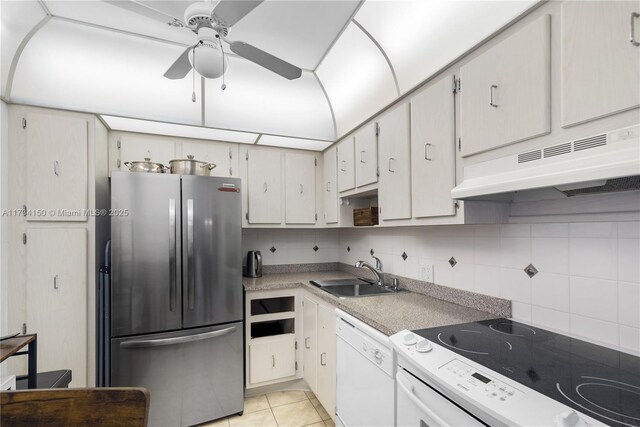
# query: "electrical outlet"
{"type": "Point", "coordinates": [426, 271]}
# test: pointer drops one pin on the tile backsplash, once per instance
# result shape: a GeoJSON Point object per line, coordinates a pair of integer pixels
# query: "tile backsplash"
{"type": "Point", "coordinates": [588, 274]}
{"type": "Point", "coordinates": [292, 246]}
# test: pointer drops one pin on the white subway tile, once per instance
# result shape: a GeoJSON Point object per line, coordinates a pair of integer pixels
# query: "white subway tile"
{"type": "Point", "coordinates": [521, 312]}
{"type": "Point", "coordinates": [595, 330]}
{"type": "Point", "coordinates": [594, 229]}
{"type": "Point", "coordinates": [550, 230]}
{"type": "Point", "coordinates": [629, 260]}
{"type": "Point", "coordinates": [487, 280]}
{"type": "Point", "coordinates": [550, 291]}
{"type": "Point", "coordinates": [629, 304]}
{"type": "Point", "coordinates": [629, 230]}
{"type": "Point", "coordinates": [515, 230]}
{"type": "Point", "coordinates": [515, 285]}
{"type": "Point", "coordinates": [551, 319]}
{"type": "Point", "coordinates": [463, 277]}
{"type": "Point", "coordinates": [515, 252]}
{"type": "Point", "coordinates": [487, 251]}
{"type": "Point", "coordinates": [593, 258]}
{"type": "Point", "coordinates": [550, 255]}
{"type": "Point", "coordinates": [630, 340]}
{"type": "Point", "coordinates": [594, 298]}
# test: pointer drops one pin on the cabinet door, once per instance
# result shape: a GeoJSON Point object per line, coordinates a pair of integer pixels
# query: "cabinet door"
{"type": "Point", "coordinates": [327, 354]}
{"type": "Point", "coordinates": [433, 151]}
{"type": "Point", "coordinates": [272, 360]}
{"type": "Point", "coordinates": [56, 298]}
{"type": "Point", "coordinates": [366, 155]}
{"type": "Point", "coordinates": [330, 188]}
{"type": "Point", "coordinates": [137, 148]}
{"type": "Point", "coordinates": [264, 186]}
{"type": "Point", "coordinates": [346, 170]}
{"type": "Point", "coordinates": [506, 92]}
{"type": "Point", "coordinates": [394, 191]}
{"type": "Point", "coordinates": [224, 156]}
{"type": "Point", "coordinates": [300, 188]}
{"type": "Point", "coordinates": [600, 62]}
{"type": "Point", "coordinates": [310, 343]}
{"type": "Point", "coordinates": [56, 165]}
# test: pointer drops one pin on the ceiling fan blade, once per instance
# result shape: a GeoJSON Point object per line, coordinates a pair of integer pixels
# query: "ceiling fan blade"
{"type": "Point", "coordinates": [180, 67]}
{"type": "Point", "coordinates": [228, 12]}
{"type": "Point", "coordinates": [148, 11]}
{"type": "Point", "coordinates": [266, 60]}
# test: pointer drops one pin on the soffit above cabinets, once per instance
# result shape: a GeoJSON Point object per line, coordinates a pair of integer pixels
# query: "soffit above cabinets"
{"type": "Point", "coordinates": [282, 141]}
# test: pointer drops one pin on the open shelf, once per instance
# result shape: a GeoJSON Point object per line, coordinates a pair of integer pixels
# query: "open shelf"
{"type": "Point", "coordinates": [272, 305]}
{"type": "Point", "coordinates": [272, 328]}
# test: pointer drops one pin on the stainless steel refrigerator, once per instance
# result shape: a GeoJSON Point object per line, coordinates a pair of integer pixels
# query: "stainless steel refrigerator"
{"type": "Point", "coordinates": [176, 294]}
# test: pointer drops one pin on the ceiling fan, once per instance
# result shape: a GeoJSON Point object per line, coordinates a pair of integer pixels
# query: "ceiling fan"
{"type": "Point", "coordinates": [211, 22]}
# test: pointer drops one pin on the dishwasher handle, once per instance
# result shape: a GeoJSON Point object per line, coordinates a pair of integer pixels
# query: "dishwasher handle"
{"type": "Point", "coordinates": [405, 387]}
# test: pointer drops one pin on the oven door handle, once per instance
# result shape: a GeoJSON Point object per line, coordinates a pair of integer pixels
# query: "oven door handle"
{"type": "Point", "coordinates": [407, 388]}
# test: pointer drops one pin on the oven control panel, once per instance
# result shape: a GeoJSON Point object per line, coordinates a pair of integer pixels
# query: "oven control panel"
{"type": "Point", "coordinates": [471, 380]}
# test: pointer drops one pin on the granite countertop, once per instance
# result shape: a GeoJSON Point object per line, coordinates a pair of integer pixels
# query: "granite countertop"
{"type": "Point", "coordinates": [387, 313]}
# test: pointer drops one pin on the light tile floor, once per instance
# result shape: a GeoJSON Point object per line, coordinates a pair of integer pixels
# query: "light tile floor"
{"type": "Point", "coordinates": [279, 409]}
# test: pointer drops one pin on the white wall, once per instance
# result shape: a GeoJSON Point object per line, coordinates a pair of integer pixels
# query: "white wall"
{"type": "Point", "coordinates": [292, 246]}
{"type": "Point", "coordinates": [4, 142]}
{"type": "Point", "coordinates": [588, 283]}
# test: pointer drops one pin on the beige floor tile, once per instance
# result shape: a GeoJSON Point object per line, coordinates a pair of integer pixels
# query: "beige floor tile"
{"type": "Point", "coordinates": [329, 423]}
{"type": "Point", "coordinates": [323, 413]}
{"type": "Point", "coordinates": [218, 423]}
{"type": "Point", "coordinates": [310, 394]}
{"type": "Point", "coordinates": [256, 403]}
{"type": "Point", "coordinates": [262, 418]}
{"type": "Point", "coordinates": [283, 397]}
{"type": "Point", "coordinates": [320, 424]}
{"type": "Point", "coordinates": [296, 414]}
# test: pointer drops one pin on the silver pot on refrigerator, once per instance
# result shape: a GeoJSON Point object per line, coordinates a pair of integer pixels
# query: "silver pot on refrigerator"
{"type": "Point", "coordinates": [254, 264]}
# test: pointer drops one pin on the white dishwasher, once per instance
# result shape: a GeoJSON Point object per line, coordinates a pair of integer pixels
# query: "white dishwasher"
{"type": "Point", "coordinates": [365, 385]}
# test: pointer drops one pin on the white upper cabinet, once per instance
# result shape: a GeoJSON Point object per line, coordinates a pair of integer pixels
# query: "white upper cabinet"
{"type": "Point", "coordinates": [394, 191]}
{"type": "Point", "coordinates": [134, 148]}
{"type": "Point", "coordinates": [505, 94]}
{"type": "Point", "coordinates": [600, 59]}
{"type": "Point", "coordinates": [264, 186]}
{"type": "Point", "coordinates": [346, 169]}
{"type": "Point", "coordinates": [300, 188]}
{"type": "Point", "coordinates": [433, 150]}
{"type": "Point", "coordinates": [56, 165]}
{"type": "Point", "coordinates": [224, 156]}
{"type": "Point", "coordinates": [330, 189]}
{"type": "Point", "coordinates": [366, 155]}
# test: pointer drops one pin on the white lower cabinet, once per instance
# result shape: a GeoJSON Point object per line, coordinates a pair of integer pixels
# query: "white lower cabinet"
{"type": "Point", "coordinates": [319, 337]}
{"type": "Point", "coordinates": [272, 358]}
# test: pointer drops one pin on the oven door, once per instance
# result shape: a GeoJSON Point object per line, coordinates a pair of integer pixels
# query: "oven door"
{"type": "Point", "coordinates": [419, 405]}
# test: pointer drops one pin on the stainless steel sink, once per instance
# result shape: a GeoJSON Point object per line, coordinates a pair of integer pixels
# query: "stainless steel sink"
{"type": "Point", "coordinates": [351, 288]}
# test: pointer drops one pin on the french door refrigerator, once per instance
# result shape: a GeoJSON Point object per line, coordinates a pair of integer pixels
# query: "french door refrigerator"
{"type": "Point", "coordinates": [176, 294]}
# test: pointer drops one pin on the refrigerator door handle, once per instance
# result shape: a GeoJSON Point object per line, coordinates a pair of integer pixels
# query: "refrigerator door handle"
{"type": "Point", "coordinates": [190, 267]}
{"type": "Point", "coordinates": [176, 340]}
{"type": "Point", "coordinates": [172, 254]}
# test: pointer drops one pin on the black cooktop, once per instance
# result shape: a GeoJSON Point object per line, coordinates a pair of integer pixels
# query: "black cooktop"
{"type": "Point", "coordinates": [595, 380]}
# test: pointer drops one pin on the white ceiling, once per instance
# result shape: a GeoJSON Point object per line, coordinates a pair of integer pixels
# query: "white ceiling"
{"type": "Point", "coordinates": [92, 56]}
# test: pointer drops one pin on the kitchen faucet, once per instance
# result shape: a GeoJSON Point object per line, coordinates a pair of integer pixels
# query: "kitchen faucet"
{"type": "Point", "coordinates": [375, 270]}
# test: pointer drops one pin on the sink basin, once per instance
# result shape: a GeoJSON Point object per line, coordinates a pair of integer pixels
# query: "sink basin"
{"type": "Point", "coordinates": [351, 288]}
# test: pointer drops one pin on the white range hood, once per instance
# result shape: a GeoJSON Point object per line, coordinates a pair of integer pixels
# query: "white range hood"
{"type": "Point", "coordinates": [577, 164]}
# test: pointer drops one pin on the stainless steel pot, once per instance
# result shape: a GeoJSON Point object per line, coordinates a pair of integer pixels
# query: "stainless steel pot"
{"type": "Point", "coordinates": [146, 166]}
{"type": "Point", "coordinates": [189, 166]}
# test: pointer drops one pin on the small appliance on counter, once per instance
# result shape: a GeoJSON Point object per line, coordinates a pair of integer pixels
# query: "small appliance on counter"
{"type": "Point", "coordinates": [254, 264]}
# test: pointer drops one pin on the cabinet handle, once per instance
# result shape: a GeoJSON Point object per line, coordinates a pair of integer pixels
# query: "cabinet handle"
{"type": "Point", "coordinates": [323, 359]}
{"type": "Point", "coordinates": [361, 159]}
{"type": "Point", "coordinates": [491, 95]}
{"type": "Point", "coordinates": [306, 342]}
{"type": "Point", "coordinates": [273, 361]}
{"type": "Point", "coordinates": [56, 167]}
{"type": "Point", "coordinates": [390, 159]}
{"type": "Point", "coordinates": [426, 154]}
{"type": "Point", "coordinates": [265, 187]}
{"type": "Point", "coordinates": [343, 166]}
{"type": "Point", "coordinates": [632, 28]}
{"type": "Point", "coordinates": [149, 154]}
{"type": "Point", "coordinates": [328, 186]}
{"type": "Point", "coordinates": [55, 282]}
{"type": "Point", "coordinates": [301, 189]}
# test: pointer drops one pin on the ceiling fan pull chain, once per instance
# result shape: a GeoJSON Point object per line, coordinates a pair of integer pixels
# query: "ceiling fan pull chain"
{"type": "Point", "coordinates": [224, 86]}
{"type": "Point", "coordinates": [193, 94]}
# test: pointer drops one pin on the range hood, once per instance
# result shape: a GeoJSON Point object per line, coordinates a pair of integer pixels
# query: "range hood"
{"type": "Point", "coordinates": [600, 163]}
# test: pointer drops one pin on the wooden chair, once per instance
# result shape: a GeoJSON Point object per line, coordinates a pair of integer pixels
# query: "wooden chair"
{"type": "Point", "coordinates": [75, 407]}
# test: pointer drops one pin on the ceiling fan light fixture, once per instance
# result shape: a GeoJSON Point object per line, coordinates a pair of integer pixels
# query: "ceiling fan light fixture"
{"type": "Point", "coordinates": [207, 60]}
